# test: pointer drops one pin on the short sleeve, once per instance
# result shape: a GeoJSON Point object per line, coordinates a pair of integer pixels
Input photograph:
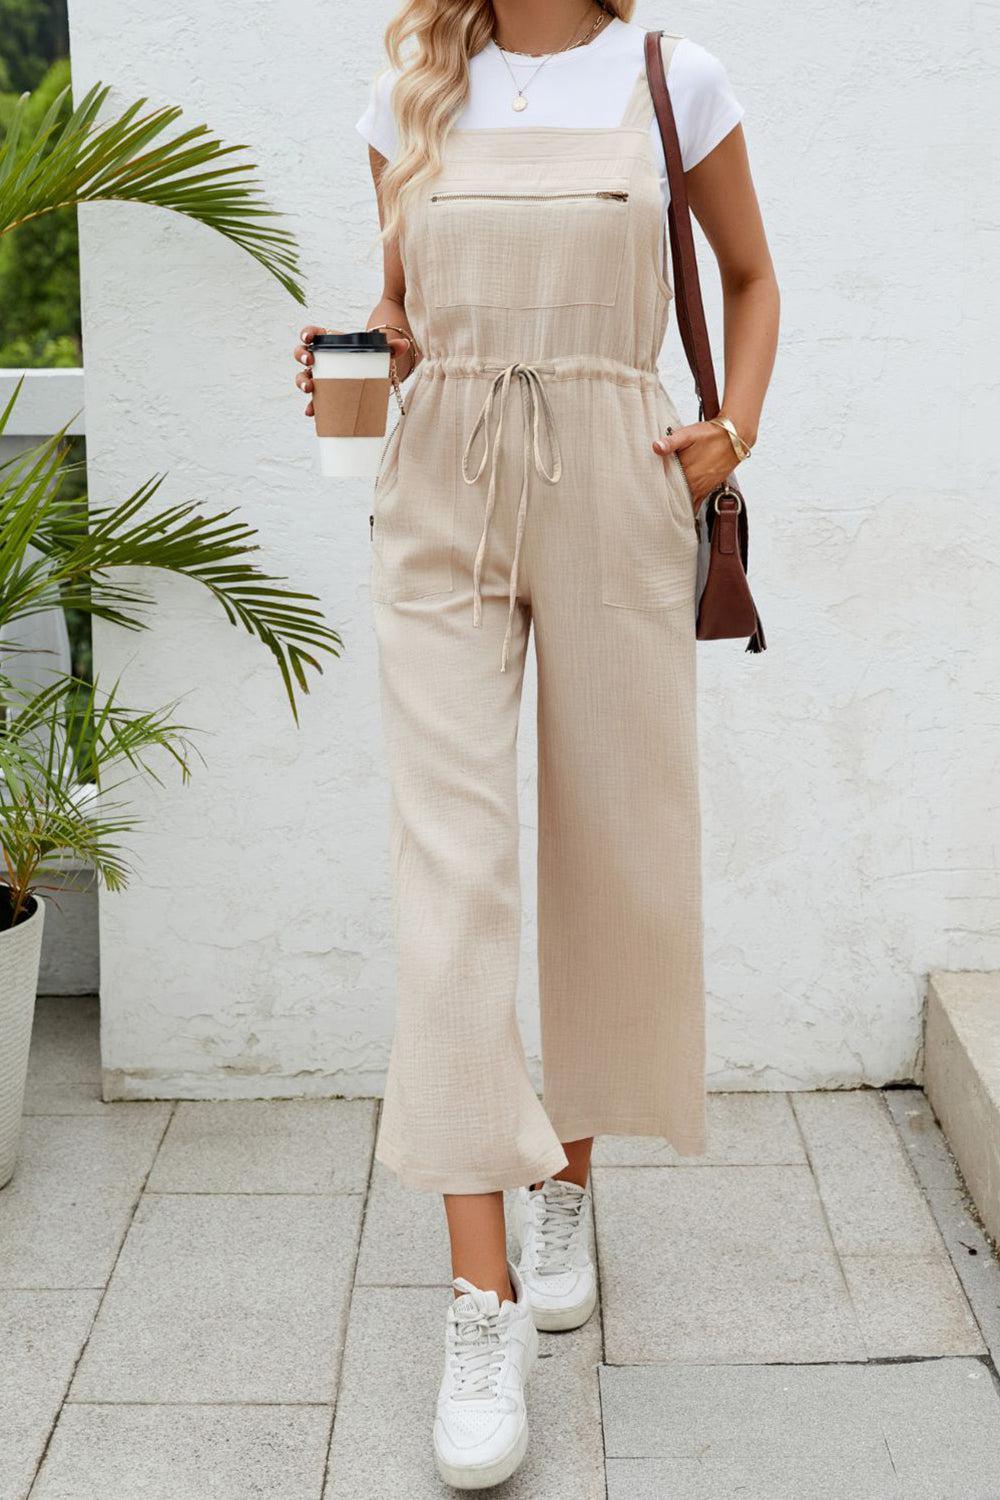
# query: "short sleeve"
{"type": "Point", "coordinates": [705, 107]}
{"type": "Point", "coordinates": [378, 123]}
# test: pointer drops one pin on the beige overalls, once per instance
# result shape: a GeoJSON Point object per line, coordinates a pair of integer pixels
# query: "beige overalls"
{"type": "Point", "coordinates": [520, 490]}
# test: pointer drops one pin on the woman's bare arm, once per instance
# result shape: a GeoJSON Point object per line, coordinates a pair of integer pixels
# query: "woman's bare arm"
{"type": "Point", "coordinates": [724, 201]}
{"type": "Point", "coordinates": [390, 309]}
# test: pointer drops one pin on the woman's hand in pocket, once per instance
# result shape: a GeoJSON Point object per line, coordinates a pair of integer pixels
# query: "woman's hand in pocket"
{"type": "Point", "coordinates": [705, 453]}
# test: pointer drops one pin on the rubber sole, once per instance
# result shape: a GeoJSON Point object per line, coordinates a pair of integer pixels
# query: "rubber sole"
{"type": "Point", "coordinates": [562, 1319]}
{"type": "Point", "coordinates": [485, 1477]}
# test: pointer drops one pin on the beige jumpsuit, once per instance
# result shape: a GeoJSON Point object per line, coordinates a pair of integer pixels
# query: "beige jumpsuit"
{"type": "Point", "coordinates": [520, 491]}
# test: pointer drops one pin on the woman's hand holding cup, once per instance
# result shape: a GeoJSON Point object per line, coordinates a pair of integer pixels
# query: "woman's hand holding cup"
{"type": "Point", "coordinates": [347, 377]}
{"type": "Point", "coordinates": [400, 349]}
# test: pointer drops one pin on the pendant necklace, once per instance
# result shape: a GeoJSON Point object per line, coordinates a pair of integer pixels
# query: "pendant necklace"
{"type": "Point", "coordinates": [520, 102]}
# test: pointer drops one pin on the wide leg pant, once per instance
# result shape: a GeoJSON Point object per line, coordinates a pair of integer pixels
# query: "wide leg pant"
{"type": "Point", "coordinates": [619, 897]}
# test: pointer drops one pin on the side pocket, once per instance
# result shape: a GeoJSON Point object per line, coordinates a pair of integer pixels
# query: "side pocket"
{"type": "Point", "coordinates": [383, 484]}
{"type": "Point", "coordinates": [649, 544]}
{"type": "Point", "coordinates": [679, 489]}
{"type": "Point", "coordinates": [414, 505]}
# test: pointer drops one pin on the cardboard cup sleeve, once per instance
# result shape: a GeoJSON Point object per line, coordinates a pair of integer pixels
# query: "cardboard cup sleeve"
{"type": "Point", "coordinates": [351, 408]}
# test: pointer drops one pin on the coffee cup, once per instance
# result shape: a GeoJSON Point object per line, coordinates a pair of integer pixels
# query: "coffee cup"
{"type": "Point", "coordinates": [351, 400]}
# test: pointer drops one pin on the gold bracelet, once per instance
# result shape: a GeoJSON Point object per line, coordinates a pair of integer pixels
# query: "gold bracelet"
{"type": "Point", "coordinates": [740, 448]}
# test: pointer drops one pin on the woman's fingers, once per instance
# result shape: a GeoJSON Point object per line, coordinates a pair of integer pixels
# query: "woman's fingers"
{"type": "Point", "coordinates": [304, 355]}
{"type": "Point", "coordinates": [403, 353]}
{"type": "Point", "coordinates": [705, 454]}
{"type": "Point", "coordinates": [674, 439]}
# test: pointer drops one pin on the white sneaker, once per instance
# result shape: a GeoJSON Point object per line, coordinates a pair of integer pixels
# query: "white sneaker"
{"type": "Point", "coordinates": [555, 1265]}
{"type": "Point", "coordinates": [481, 1426]}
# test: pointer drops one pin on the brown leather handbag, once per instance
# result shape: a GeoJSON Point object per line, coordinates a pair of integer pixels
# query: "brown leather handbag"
{"type": "Point", "coordinates": [725, 603]}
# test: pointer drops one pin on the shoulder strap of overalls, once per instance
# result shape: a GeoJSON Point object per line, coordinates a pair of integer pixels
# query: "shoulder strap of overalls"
{"type": "Point", "coordinates": [687, 285]}
{"type": "Point", "coordinates": [639, 110]}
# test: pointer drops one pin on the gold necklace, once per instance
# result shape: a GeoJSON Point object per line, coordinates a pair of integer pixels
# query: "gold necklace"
{"type": "Point", "coordinates": [520, 101]}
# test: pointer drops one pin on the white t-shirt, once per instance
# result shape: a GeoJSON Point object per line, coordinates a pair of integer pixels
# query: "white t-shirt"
{"type": "Point", "coordinates": [589, 86]}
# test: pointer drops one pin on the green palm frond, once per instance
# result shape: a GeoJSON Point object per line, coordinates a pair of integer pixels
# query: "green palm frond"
{"type": "Point", "coordinates": [84, 734]}
{"type": "Point", "coordinates": [77, 562]}
{"type": "Point", "coordinates": [72, 159]}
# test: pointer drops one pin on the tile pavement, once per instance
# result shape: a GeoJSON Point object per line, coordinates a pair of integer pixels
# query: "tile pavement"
{"type": "Point", "coordinates": [865, 1431]}
{"type": "Point", "coordinates": [230, 1300]}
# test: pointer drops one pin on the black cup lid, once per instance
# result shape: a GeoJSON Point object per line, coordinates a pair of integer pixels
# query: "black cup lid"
{"type": "Point", "coordinates": [372, 342]}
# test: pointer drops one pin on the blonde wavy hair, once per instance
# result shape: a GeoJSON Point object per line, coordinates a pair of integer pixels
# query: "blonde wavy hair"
{"type": "Point", "coordinates": [429, 43]}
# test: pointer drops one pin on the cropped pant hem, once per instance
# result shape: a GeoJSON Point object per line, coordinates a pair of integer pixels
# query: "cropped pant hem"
{"type": "Point", "coordinates": [685, 1143]}
{"type": "Point", "coordinates": [514, 1175]}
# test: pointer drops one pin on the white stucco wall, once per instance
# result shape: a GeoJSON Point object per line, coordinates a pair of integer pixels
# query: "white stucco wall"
{"type": "Point", "coordinates": [850, 774]}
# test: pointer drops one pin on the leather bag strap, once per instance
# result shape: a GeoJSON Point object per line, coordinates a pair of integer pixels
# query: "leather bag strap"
{"type": "Point", "coordinates": [726, 606]}
{"type": "Point", "coordinates": [691, 319]}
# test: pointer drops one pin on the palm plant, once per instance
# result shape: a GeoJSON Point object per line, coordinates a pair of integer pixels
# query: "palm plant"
{"type": "Point", "coordinates": [66, 757]}
{"type": "Point", "coordinates": [67, 749]}
{"type": "Point", "coordinates": [71, 158]}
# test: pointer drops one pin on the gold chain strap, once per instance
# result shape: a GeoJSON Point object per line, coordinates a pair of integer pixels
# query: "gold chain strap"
{"type": "Point", "coordinates": [414, 354]}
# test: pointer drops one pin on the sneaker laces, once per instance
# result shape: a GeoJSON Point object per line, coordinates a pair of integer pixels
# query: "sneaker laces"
{"type": "Point", "coordinates": [476, 1348]}
{"type": "Point", "coordinates": [557, 1227]}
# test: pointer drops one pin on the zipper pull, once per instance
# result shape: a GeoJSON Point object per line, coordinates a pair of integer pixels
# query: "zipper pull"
{"type": "Point", "coordinates": [371, 528]}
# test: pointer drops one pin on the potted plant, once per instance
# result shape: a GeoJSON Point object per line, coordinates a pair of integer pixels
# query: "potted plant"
{"type": "Point", "coordinates": [69, 748]}
{"type": "Point", "coordinates": [64, 758]}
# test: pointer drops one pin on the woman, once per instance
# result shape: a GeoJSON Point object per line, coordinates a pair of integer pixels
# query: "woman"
{"type": "Point", "coordinates": [542, 479]}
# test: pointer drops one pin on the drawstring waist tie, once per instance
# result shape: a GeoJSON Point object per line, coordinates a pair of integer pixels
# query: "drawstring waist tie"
{"type": "Point", "coordinates": [538, 415]}
{"type": "Point", "coordinates": [536, 408]}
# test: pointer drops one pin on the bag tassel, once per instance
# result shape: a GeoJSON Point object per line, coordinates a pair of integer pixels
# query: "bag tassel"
{"type": "Point", "coordinates": [757, 641]}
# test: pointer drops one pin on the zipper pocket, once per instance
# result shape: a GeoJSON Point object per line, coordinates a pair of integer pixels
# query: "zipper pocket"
{"type": "Point", "coordinates": [604, 196]}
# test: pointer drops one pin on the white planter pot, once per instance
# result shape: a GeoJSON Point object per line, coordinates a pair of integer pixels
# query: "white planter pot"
{"type": "Point", "coordinates": [20, 953]}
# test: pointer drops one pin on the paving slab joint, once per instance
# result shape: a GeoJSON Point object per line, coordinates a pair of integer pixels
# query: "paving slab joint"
{"type": "Point", "coordinates": [100, 1301]}
{"type": "Point", "coordinates": [350, 1299]}
{"type": "Point", "coordinates": [969, 1248]}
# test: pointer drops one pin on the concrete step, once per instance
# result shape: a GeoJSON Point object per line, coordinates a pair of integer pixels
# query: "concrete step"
{"type": "Point", "coordinates": [962, 1079]}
